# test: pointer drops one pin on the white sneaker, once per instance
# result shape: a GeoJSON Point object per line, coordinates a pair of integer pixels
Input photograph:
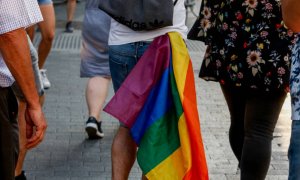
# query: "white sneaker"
{"type": "Point", "coordinates": [45, 80]}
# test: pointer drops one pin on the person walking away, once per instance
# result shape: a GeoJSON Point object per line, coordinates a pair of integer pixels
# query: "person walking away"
{"type": "Point", "coordinates": [125, 49]}
{"type": "Point", "coordinates": [71, 7]}
{"type": "Point", "coordinates": [47, 28]}
{"type": "Point", "coordinates": [94, 65]}
{"type": "Point", "coordinates": [291, 17]}
{"type": "Point", "coordinates": [19, 172]}
{"type": "Point", "coordinates": [248, 53]}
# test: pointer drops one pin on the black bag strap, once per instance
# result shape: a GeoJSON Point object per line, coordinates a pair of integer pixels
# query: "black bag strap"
{"type": "Point", "coordinates": [175, 2]}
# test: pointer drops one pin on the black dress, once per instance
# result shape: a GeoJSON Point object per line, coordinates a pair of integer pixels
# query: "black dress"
{"type": "Point", "coordinates": [248, 44]}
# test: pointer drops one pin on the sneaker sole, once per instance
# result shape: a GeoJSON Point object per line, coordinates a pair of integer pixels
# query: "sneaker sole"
{"type": "Point", "coordinates": [46, 85]}
{"type": "Point", "coordinates": [93, 133]}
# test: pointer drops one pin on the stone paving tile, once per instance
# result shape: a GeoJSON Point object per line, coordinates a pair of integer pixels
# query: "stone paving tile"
{"type": "Point", "coordinates": [66, 154]}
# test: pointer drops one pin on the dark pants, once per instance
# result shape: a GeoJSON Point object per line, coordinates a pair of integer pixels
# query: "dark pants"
{"type": "Point", "coordinates": [254, 115]}
{"type": "Point", "coordinates": [9, 136]}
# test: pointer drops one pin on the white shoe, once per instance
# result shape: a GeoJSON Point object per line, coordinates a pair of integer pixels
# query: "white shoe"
{"type": "Point", "coordinates": [45, 80]}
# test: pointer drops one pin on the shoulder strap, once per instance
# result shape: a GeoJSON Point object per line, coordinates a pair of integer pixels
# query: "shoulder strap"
{"type": "Point", "coordinates": [175, 2]}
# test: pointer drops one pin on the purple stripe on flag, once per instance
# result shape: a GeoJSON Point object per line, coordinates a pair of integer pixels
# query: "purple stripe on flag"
{"type": "Point", "coordinates": [132, 95]}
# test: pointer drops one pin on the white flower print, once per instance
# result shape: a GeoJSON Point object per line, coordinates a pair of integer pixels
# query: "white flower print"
{"type": "Point", "coordinates": [251, 3]}
{"type": "Point", "coordinates": [205, 24]}
{"type": "Point", "coordinates": [253, 58]}
{"type": "Point", "coordinates": [206, 12]}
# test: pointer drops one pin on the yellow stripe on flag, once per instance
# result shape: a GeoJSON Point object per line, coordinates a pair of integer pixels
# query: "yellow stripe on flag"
{"type": "Point", "coordinates": [185, 143]}
{"type": "Point", "coordinates": [169, 169]}
{"type": "Point", "coordinates": [181, 59]}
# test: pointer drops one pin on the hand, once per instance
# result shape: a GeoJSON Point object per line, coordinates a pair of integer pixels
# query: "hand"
{"type": "Point", "coordinates": [35, 126]}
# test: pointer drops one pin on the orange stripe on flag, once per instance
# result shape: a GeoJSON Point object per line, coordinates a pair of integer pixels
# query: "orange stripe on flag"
{"type": "Point", "coordinates": [199, 168]}
{"type": "Point", "coordinates": [192, 145]}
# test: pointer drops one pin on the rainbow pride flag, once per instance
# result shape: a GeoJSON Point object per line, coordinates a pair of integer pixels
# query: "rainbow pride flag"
{"type": "Point", "coordinates": [157, 101]}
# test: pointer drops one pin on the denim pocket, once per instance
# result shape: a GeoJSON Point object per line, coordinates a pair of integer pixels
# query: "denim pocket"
{"type": "Point", "coordinates": [120, 64]}
{"type": "Point", "coordinates": [123, 58]}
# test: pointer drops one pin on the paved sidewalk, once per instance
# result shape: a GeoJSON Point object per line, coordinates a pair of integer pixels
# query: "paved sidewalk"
{"type": "Point", "coordinates": [66, 154]}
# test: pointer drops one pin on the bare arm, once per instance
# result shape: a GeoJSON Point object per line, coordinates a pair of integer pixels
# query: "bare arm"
{"type": "Point", "coordinates": [291, 14]}
{"type": "Point", "coordinates": [15, 50]}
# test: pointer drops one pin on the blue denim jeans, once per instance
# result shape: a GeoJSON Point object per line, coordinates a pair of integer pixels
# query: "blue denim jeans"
{"type": "Point", "coordinates": [294, 152]}
{"type": "Point", "coordinates": [122, 59]}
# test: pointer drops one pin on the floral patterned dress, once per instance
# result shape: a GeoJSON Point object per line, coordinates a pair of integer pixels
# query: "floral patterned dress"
{"type": "Point", "coordinates": [295, 82]}
{"type": "Point", "coordinates": [248, 44]}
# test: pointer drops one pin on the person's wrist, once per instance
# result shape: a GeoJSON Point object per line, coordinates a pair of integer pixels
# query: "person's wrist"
{"type": "Point", "coordinates": [33, 103]}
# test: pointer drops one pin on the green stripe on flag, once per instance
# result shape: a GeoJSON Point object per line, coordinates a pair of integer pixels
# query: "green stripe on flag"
{"type": "Point", "coordinates": [175, 95]}
{"type": "Point", "coordinates": [161, 139]}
